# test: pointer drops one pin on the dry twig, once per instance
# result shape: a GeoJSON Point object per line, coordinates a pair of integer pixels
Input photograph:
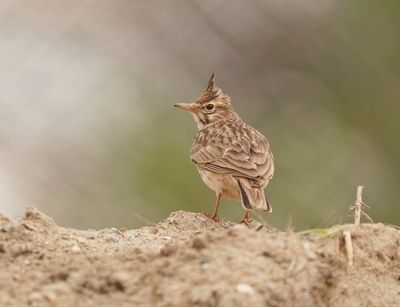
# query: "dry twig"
{"type": "Point", "coordinates": [358, 206]}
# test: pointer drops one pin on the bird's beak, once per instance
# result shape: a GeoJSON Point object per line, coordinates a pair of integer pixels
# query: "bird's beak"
{"type": "Point", "coordinates": [186, 106]}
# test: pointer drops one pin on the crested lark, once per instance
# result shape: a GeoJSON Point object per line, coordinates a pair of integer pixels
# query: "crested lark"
{"type": "Point", "coordinates": [233, 159]}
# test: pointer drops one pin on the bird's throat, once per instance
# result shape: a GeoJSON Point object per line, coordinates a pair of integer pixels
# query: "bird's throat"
{"type": "Point", "coordinates": [201, 121]}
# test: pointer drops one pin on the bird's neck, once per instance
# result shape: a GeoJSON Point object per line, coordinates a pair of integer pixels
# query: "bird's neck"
{"type": "Point", "coordinates": [233, 117]}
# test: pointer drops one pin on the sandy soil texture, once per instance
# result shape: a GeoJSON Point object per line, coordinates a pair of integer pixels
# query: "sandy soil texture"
{"type": "Point", "coordinates": [188, 260]}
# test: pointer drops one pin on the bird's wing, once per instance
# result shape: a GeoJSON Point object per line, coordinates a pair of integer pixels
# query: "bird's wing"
{"type": "Point", "coordinates": [239, 150]}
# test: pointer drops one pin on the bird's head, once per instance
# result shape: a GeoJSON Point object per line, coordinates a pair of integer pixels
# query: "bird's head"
{"type": "Point", "coordinates": [212, 106]}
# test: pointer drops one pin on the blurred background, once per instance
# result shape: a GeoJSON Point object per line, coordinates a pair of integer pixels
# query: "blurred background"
{"type": "Point", "coordinates": [88, 133]}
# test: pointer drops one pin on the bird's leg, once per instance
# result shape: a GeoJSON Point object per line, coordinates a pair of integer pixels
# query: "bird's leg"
{"type": "Point", "coordinates": [246, 219]}
{"type": "Point", "coordinates": [214, 216]}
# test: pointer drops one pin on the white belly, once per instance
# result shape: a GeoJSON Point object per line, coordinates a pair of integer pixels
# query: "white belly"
{"type": "Point", "coordinates": [219, 183]}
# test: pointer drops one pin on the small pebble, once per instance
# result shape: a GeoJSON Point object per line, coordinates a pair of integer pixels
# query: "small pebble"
{"type": "Point", "coordinates": [167, 250]}
{"type": "Point", "coordinates": [198, 243]}
{"type": "Point", "coordinates": [51, 297]}
{"type": "Point", "coordinates": [35, 296]}
{"type": "Point", "coordinates": [81, 240]}
{"type": "Point", "coordinates": [245, 289]}
{"type": "Point", "coordinates": [119, 279]}
{"type": "Point", "coordinates": [75, 249]}
{"type": "Point", "coordinates": [204, 264]}
{"type": "Point", "coordinates": [239, 226]}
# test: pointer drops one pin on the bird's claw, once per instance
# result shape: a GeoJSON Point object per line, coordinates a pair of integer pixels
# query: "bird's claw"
{"type": "Point", "coordinates": [214, 217]}
{"type": "Point", "coordinates": [245, 221]}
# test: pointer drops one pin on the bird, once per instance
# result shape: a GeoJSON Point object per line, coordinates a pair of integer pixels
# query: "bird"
{"type": "Point", "coordinates": [233, 158]}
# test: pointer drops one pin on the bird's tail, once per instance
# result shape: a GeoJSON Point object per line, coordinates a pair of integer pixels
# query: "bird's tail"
{"type": "Point", "coordinates": [253, 197]}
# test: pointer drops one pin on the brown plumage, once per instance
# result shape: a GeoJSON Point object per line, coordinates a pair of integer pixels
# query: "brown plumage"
{"type": "Point", "coordinates": [233, 159]}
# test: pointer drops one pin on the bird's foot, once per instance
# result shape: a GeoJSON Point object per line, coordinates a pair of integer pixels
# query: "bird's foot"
{"type": "Point", "coordinates": [213, 217]}
{"type": "Point", "coordinates": [245, 221]}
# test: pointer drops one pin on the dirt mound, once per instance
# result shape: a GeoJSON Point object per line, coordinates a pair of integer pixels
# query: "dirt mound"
{"type": "Point", "coordinates": [188, 260]}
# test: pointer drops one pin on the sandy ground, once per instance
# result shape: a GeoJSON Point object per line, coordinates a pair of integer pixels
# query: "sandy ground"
{"type": "Point", "coordinates": [188, 260]}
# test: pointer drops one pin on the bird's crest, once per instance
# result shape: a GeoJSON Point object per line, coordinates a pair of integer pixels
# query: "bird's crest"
{"type": "Point", "coordinates": [213, 92]}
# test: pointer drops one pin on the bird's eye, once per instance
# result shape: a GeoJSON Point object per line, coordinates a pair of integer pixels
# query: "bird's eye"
{"type": "Point", "coordinates": [210, 106]}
